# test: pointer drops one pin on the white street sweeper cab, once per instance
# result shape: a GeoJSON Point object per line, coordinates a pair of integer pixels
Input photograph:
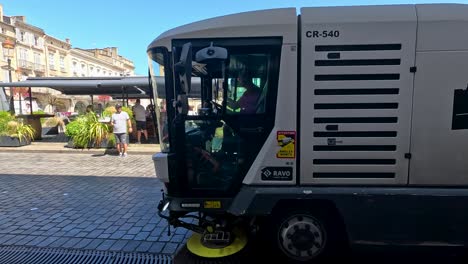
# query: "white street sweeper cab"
{"type": "Point", "coordinates": [341, 125]}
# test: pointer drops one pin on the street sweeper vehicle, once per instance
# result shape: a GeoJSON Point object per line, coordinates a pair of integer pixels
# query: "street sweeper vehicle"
{"type": "Point", "coordinates": [324, 126]}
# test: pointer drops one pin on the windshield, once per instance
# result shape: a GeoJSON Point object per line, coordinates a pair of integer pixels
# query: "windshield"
{"type": "Point", "coordinates": [156, 68]}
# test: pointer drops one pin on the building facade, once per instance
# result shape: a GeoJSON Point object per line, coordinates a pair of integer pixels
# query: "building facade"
{"type": "Point", "coordinates": [58, 57]}
{"type": "Point", "coordinates": [37, 54]}
{"type": "Point", "coordinates": [29, 49]}
{"type": "Point", "coordinates": [6, 31]}
{"type": "Point", "coordinates": [99, 63]}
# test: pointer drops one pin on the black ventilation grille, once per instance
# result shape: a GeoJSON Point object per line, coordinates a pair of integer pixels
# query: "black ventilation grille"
{"type": "Point", "coordinates": [355, 148]}
{"type": "Point", "coordinates": [356, 101]}
{"type": "Point", "coordinates": [358, 77]}
{"type": "Point", "coordinates": [355, 161]}
{"type": "Point", "coordinates": [357, 106]}
{"type": "Point", "coordinates": [32, 255]}
{"type": "Point", "coordinates": [371, 62]}
{"type": "Point", "coordinates": [354, 175]}
{"type": "Point", "coordinates": [361, 47]}
{"type": "Point", "coordinates": [321, 120]}
{"type": "Point", "coordinates": [366, 91]}
{"type": "Point", "coordinates": [356, 134]}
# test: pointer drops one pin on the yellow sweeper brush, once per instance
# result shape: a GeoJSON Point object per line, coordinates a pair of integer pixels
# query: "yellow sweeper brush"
{"type": "Point", "coordinates": [217, 244]}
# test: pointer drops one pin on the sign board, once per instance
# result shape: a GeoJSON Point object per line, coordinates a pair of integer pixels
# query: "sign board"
{"type": "Point", "coordinates": [287, 143]}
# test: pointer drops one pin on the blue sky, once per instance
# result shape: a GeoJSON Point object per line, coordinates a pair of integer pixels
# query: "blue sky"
{"type": "Point", "coordinates": [132, 25]}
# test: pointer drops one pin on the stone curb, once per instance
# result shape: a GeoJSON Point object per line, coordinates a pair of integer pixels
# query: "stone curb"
{"type": "Point", "coordinates": [77, 151]}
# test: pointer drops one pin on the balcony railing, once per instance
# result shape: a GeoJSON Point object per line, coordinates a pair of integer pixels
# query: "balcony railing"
{"type": "Point", "coordinates": [24, 64]}
{"type": "Point", "coordinates": [39, 67]}
{"type": "Point", "coordinates": [52, 67]}
{"type": "Point", "coordinates": [62, 69]}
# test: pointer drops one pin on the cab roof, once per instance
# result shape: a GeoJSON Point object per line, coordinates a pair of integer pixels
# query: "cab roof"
{"type": "Point", "coordinates": [264, 23]}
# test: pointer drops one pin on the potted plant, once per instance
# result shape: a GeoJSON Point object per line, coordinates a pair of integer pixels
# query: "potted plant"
{"type": "Point", "coordinates": [87, 131]}
{"type": "Point", "coordinates": [73, 128]}
{"type": "Point", "coordinates": [13, 133]}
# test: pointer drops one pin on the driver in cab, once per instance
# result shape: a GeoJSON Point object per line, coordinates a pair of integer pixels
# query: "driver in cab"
{"type": "Point", "coordinates": [247, 103]}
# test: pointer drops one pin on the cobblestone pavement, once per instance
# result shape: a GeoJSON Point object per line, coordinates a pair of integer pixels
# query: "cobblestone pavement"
{"type": "Point", "coordinates": [65, 201]}
{"type": "Point", "coordinates": [76, 164]}
{"type": "Point", "coordinates": [41, 207]}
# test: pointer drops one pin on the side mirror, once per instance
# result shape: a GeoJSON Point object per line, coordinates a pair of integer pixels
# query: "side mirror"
{"type": "Point", "coordinates": [184, 67]}
{"type": "Point", "coordinates": [211, 53]}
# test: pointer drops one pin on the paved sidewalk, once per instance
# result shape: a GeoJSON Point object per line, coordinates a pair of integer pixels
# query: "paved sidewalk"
{"type": "Point", "coordinates": [59, 147]}
{"type": "Point", "coordinates": [86, 164]}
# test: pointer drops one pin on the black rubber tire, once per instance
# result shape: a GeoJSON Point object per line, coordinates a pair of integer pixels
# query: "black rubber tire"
{"type": "Point", "coordinates": [335, 238]}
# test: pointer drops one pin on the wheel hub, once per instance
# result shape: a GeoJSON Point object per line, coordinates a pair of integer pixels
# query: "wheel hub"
{"type": "Point", "coordinates": [302, 237]}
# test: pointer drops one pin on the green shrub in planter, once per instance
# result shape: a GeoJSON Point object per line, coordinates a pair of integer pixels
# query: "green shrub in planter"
{"type": "Point", "coordinates": [86, 131]}
{"type": "Point", "coordinates": [10, 126]}
{"type": "Point", "coordinates": [5, 117]}
{"type": "Point", "coordinates": [21, 131]}
{"type": "Point", "coordinates": [73, 128]}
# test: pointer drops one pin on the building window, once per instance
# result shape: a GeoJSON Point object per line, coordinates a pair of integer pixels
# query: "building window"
{"type": "Point", "coordinates": [51, 61]}
{"type": "Point", "coordinates": [62, 63]}
{"type": "Point", "coordinates": [36, 40]}
{"type": "Point", "coordinates": [83, 69]}
{"type": "Point", "coordinates": [23, 54]}
{"type": "Point", "coordinates": [37, 62]}
{"type": "Point", "coordinates": [74, 68]}
{"type": "Point", "coordinates": [37, 58]}
{"type": "Point", "coordinates": [23, 58]}
{"type": "Point", "coordinates": [22, 36]}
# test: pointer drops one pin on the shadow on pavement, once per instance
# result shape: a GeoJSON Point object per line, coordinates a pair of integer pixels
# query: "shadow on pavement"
{"type": "Point", "coordinates": [255, 252]}
{"type": "Point", "coordinates": [100, 155]}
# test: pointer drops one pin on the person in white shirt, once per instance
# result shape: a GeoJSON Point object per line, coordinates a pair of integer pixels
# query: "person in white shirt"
{"type": "Point", "coordinates": [140, 116]}
{"type": "Point", "coordinates": [120, 121]}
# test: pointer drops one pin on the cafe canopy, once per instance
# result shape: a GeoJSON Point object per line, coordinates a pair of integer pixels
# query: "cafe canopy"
{"type": "Point", "coordinates": [125, 87]}
{"type": "Point", "coordinates": [129, 87]}
{"type": "Point", "coordinates": [135, 86]}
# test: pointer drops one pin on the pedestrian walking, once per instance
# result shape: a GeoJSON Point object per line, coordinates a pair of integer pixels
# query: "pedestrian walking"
{"type": "Point", "coordinates": [140, 116]}
{"type": "Point", "coordinates": [120, 121]}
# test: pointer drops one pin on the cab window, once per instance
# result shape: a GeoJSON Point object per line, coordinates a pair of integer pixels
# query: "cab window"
{"type": "Point", "coordinates": [247, 83]}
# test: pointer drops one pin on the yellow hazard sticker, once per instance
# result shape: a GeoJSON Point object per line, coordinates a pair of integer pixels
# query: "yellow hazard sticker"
{"type": "Point", "coordinates": [212, 204]}
{"type": "Point", "coordinates": [287, 143]}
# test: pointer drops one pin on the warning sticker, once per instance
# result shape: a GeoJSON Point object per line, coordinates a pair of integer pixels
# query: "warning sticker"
{"type": "Point", "coordinates": [287, 142]}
